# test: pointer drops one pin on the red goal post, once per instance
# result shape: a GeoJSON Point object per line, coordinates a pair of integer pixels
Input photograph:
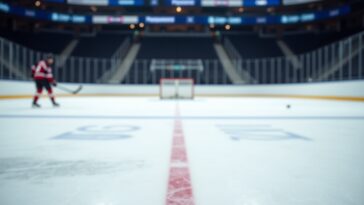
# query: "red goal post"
{"type": "Point", "coordinates": [176, 88]}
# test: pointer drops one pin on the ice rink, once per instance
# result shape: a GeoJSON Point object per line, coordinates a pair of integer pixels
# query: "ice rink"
{"type": "Point", "coordinates": [207, 151]}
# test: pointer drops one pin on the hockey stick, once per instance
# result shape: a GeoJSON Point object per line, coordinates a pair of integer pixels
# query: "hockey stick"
{"type": "Point", "coordinates": [69, 90]}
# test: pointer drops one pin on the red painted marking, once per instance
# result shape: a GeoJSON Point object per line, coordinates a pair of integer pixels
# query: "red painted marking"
{"type": "Point", "coordinates": [179, 184]}
{"type": "Point", "coordinates": [178, 141]}
{"type": "Point", "coordinates": [179, 187]}
{"type": "Point", "coordinates": [179, 154]}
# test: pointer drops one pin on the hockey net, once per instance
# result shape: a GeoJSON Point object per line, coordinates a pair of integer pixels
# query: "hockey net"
{"type": "Point", "coordinates": [176, 88]}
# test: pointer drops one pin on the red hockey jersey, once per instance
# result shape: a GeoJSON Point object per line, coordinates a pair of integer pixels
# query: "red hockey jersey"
{"type": "Point", "coordinates": [42, 71]}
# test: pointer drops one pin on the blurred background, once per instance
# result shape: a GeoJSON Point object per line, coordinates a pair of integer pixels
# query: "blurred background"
{"type": "Point", "coordinates": [210, 41]}
{"type": "Point", "coordinates": [277, 118]}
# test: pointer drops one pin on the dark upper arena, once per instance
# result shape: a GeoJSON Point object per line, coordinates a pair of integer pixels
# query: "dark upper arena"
{"type": "Point", "coordinates": [263, 41]}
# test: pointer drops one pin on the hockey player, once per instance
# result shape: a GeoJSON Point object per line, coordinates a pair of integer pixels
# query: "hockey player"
{"type": "Point", "coordinates": [43, 78]}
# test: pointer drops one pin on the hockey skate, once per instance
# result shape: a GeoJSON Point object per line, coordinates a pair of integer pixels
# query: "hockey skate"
{"type": "Point", "coordinates": [35, 105]}
{"type": "Point", "coordinates": [55, 104]}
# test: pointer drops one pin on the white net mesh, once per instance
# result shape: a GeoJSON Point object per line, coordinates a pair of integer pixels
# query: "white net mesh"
{"type": "Point", "coordinates": [176, 88]}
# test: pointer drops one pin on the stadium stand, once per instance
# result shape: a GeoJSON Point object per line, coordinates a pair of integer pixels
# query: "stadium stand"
{"type": "Point", "coordinates": [40, 41]}
{"type": "Point", "coordinates": [308, 41]}
{"type": "Point", "coordinates": [178, 48]}
{"type": "Point", "coordinates": [103, 45]}
{"type": "Point", "coordinates": [252, 46]}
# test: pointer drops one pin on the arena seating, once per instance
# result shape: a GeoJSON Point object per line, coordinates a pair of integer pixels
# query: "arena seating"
{"type": "Point", "coordinates": [177, 48]}
{"type": "Point", "coordinates": [102, 45]}
{"type": "Point", "coordinates": [252, 46]}
{"type": "Point", "coordinates": [308, 41]}
{"type": "Point", "coordinates": [41, 41]}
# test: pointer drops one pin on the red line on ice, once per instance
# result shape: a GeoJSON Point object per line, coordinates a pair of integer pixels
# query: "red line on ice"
{"type": "Point", "coordinates": [179, 183]}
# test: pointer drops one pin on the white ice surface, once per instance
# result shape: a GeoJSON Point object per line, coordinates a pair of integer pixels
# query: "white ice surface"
{"type": "Point", "coordinates": [240, 151]}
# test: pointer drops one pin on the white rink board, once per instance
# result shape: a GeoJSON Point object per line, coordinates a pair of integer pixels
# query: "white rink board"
{"type": "Point", "coordinates": [241, 151]}
{"type": "Point", "coordinates": [346, 88]}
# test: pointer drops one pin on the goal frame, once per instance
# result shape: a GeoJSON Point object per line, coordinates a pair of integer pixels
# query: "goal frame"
{"type": "Point", "coordinates": [174, 79]}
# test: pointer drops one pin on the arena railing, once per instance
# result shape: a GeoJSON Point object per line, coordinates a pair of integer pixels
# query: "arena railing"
{"type": "Point", "coordinates": [342, 60]}
{"type": "Point", "coordinates": [150, 71]}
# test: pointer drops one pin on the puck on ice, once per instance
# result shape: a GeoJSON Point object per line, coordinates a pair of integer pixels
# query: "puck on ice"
{"type": "Point", "coordinates": [288, 106]}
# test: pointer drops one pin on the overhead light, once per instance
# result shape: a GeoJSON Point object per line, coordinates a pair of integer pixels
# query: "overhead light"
{"type": "Point", "coordinates": [37, 3]}
{"type": "Point", "coordinates": [93, 8]}
{"type": "Point", "coordinates": [179, 9]}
